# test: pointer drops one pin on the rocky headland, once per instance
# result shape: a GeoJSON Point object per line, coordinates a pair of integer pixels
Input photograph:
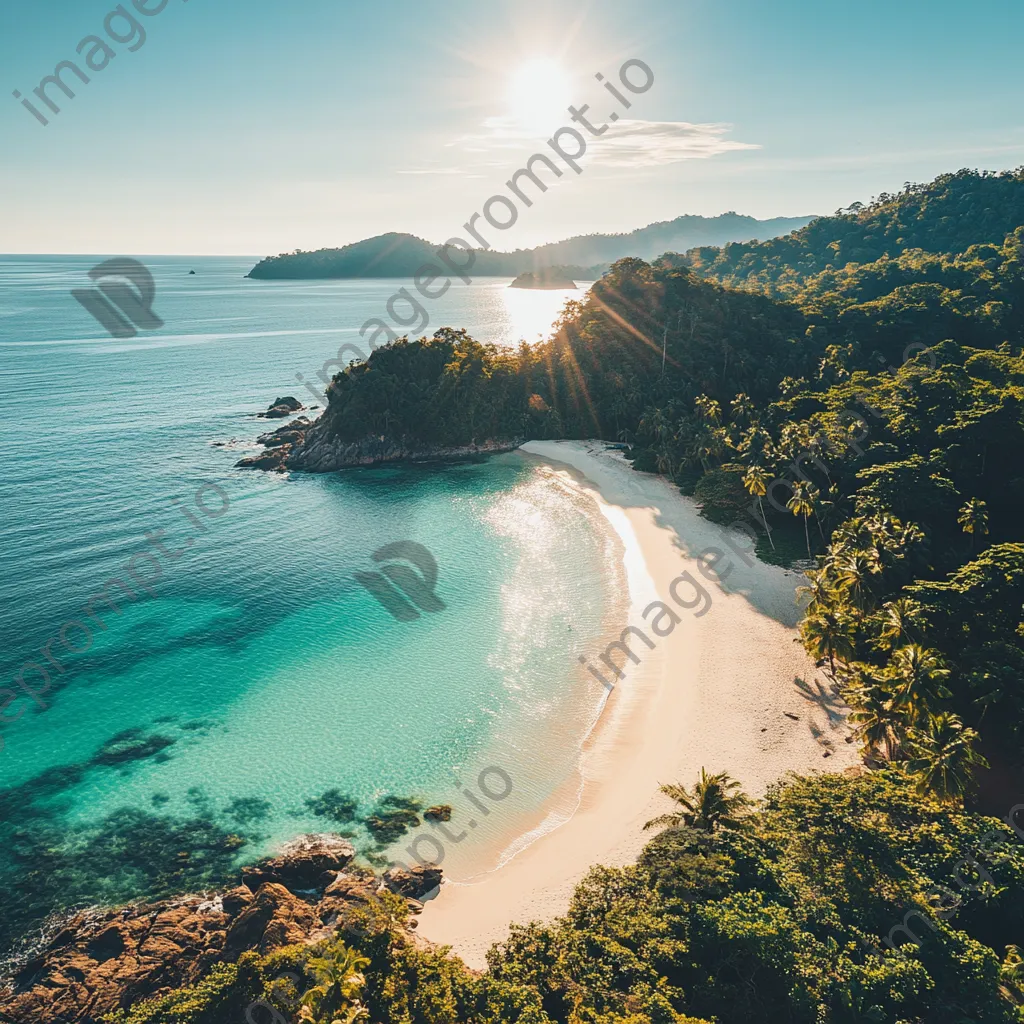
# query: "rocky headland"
{"type": "Point", "coordinates": [99, 960]}
{"type": "Point", "coordinates": [311, 446]}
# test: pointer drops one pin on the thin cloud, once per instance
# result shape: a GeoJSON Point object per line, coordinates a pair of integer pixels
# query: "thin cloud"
{"type": "Point", "coordinates": [626, 143]}
{"type": "Point", "coordinates": [433, 170]}
{"type": "Point", "coordinates": [655, 143]}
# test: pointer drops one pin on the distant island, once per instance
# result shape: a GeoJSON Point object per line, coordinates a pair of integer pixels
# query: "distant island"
{"type": "Point", "coordinates": [397, 254]}
{"type": "Point", "coordinates": [547, 277]}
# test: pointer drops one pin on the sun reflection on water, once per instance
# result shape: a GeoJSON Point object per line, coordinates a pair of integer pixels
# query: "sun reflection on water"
{"type": "Point", "coordinates": [530, 313]}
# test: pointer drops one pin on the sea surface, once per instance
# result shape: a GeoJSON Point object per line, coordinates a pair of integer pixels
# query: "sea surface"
{"type": "Point", "coordinates": [244, 687]}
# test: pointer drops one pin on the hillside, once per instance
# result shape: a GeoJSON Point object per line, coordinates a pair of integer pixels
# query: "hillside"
{"type": "Point", "coordinates": [947, 215]}
{"type": "Point", "coordinates": [686, 232]}
{"type": "Point", "coordinates": [585, 257]}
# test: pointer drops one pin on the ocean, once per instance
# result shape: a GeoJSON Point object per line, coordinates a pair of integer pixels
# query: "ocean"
{"type": "Point", "coordinates": [247, 687]}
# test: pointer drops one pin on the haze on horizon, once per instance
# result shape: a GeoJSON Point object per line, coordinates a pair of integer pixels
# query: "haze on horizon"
{"type": "Point", "coordinates": [256, 128]}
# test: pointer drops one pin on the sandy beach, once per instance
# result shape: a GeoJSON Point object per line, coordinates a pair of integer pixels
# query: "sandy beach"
{"type": "Point", "coordinates": [729, 690]}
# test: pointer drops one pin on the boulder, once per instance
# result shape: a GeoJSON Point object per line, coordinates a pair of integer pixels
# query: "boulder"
{"type": "Point", "coordinates": [275, 918]}
{"type": "Point", "coordinates": [274, 459]}
{"type": "Point", "coordinates": [346, 886]}
{"type": "Point", "coordinates": [277, 412]}
{"type": "Point", "coordinates": [419, 882]}
{"type": "Point", "coordinates": [234, 901]}
{"type": "Point", "coordinates": [308, 862]}
{"type": "Point", "coordinates": [346, 893]}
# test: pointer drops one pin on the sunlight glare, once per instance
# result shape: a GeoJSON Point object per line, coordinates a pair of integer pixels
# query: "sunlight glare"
{"type": "Point", "coordinates": [538, 95]}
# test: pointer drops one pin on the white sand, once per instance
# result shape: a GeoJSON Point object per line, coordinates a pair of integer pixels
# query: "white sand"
{"type": "Point", "coordinates": [713, 693]}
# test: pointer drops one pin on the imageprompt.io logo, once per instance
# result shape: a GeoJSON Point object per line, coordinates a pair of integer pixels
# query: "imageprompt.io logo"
{"type": "Point", "coordinates": [399, 588]}
{"type": "Point", "coordinates": [122, 310]}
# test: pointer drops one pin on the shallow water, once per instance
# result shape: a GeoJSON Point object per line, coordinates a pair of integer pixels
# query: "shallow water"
{"type": "Point", "coordinates": [249, 672]}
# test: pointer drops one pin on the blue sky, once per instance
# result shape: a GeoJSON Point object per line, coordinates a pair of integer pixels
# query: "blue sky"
{"type": "Point", "coordinates": [260, 126]}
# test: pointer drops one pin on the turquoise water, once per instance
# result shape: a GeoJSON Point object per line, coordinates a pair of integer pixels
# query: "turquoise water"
{"type": "Point", "coordinates": [249, 673]}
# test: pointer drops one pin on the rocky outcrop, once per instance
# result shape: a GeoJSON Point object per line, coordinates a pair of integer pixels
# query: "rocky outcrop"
{"type": "Point", "coordinates": [290, 433]}
{"type": "Point", "coordinates": [278, 445]}
{"type": "Point", "coordinates": [272, 461]}
{"type": "Point", "coordinates": [100, 960]}
{"type": "Point", "coordinates": [282, 407]}
{"type": "Point", "coordinates": [320, 452]}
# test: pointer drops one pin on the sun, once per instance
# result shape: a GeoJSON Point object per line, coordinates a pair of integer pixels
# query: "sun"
{"type": "Point", "coordinates": [538, 94]}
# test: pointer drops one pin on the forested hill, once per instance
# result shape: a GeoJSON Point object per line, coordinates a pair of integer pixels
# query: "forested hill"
{"type": "Point", "coordinates": [947, 215]}
{"type": "Point", "coordinates": [585, 256]}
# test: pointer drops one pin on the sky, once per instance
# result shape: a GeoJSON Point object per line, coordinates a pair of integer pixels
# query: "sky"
{"type": "Point", "coordinates": [255, 127]}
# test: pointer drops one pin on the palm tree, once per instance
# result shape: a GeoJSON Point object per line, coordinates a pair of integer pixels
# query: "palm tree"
{"type": "Point", "coordinates": [899, 620]}
{"type": "Point", "coordinates": [829, 507]}
{"type": "Point", "coordinates": [665, 460]}
{"type": "Point", "coordinates": [1011, 976]}
{"type": "Point", "coordinates": [918, 672]}
{"type": "Point", "coordinates": [854, 571]}
{"type": "Point", "coordinates": [715, 801]}
{"type": "Point", "coordinates": [802, 504]}
{"type": "Point", "coordinates": [756, 444]}
{"type": "Point", "coordinates": [826, 634]}
{"type": "Point", "coordinates": [655, 424]}
{"type": "Point", "coordinates": [820, 590]}
{"type": "Point", "coordinates": [943, 758]}
{"type": "Point", "coordinates": [334, 999]}
{"type": "Point", "coordinates": [756, 482]}
{"type": "Point", "coordinates": [879, 724]}
{"type": "Point", "coordinates": [973, 519]}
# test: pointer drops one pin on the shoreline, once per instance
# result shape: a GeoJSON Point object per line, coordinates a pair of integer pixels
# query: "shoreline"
{"type": "Point", "coordinates": [717, 692]}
